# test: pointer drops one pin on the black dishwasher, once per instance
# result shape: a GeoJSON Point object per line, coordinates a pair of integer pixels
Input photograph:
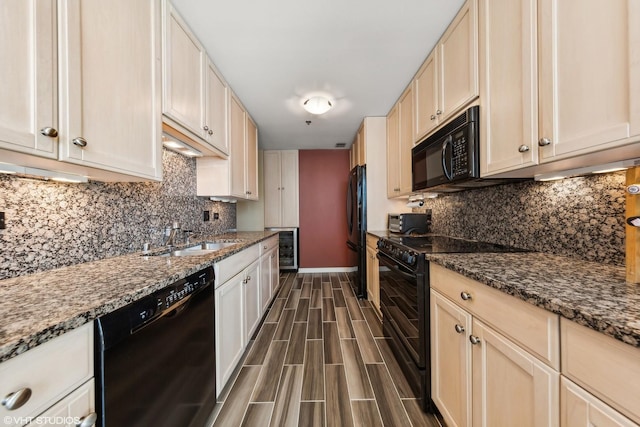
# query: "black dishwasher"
{"type": "Point", "coordinates": [155, 358]}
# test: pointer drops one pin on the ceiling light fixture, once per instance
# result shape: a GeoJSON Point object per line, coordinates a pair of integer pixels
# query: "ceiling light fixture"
{"type": "Point", "coordinates": [317, 105]}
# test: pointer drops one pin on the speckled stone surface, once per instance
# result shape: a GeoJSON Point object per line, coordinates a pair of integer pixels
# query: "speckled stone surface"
{"type": "Point", "coordinates": [50, 225]}
{"type": "Point", "coordinates": [40, 306]}
{"type": "Point", "coordinates": [582, 218]}
{"type": "Point", "coordinates": [592, 294]}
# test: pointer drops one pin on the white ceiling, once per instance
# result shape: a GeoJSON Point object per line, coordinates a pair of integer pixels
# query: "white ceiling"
{"type": "Point", "coordinates": [361, 53]}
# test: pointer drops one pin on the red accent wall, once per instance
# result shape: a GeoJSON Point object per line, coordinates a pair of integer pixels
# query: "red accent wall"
{"type": "Point", "coordinates": [323, 181]}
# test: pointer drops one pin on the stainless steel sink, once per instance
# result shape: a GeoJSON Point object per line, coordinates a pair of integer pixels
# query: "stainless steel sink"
{"type": "Point", "coordinates": [202, 248]}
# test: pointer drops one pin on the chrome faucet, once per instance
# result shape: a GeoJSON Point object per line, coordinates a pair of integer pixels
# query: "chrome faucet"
{"type": "Point", "coordinates": [172, 233]}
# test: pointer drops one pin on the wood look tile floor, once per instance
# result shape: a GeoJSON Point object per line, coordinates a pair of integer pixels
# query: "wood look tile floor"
{"type": "Point", "coordinates": [319, 359]}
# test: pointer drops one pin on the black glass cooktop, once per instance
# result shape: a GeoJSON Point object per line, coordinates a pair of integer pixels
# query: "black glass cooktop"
{"type": "Point", "coordinates": [443, 244]}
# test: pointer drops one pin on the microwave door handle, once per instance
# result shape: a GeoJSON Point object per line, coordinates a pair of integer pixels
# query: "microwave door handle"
{"type": "Point", "coordinates": [445, 144]}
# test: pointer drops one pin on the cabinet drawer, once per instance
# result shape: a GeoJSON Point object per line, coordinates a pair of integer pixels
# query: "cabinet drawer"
{"type": "Point", "coordinates": [267, 245]}
{"type": "Point", "coordinates": [51, 370]}
{"type": "Point", "coordinates": [229, 267]}
{"type": "Point", "coordinates": [372, 242]}
{"type": "Point", "coordinates": [535, 329]}
{"type": "Point", "coordinates": [608, 368]}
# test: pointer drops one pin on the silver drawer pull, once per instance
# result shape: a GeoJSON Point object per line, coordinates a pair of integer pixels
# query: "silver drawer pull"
{"type": "Point", "coordinates": [79, 142]}
{"type": "Point", "coordinates": [88, 421]}
{"type": "Point", "coordinates": [544, 142]}
{"type": "Point", "coordinates": [459, 328]}
{"type": "Point", "coordinates": [466, 296]}
{"type": "Point", "coordinates": [474, 340]}
{"type": "Point", "coordinates": [523, 148]}
{"type": "Point", "coordinates": [49, 131]}
{"type": "Point", "coordinates": [16, 399]}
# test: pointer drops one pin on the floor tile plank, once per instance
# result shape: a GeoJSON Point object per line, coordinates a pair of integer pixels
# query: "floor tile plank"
{"type": "Point", "coordinates": [257, 414]}
{"type": "Point", "coordinates": [400, 381]}
{"type": "Point", "coordinates": [354, 308]}
{"type": "Point", "coordinates": [391, 408]}
{"type": "Point", "coordinates": [275, 311]}
{"type": "Point", "coordinates": [295, 351]}
{"type": "Point", "coordinates": [316, 299]}
{"type": "Point", "coordinates": [267, 384]}
{"type": "Point", "coordinates": [306, 290]}
{"type": "Point", "coordinates": [332, 350]}
{"type": "Point", "coordinates": [311, 414]}
{"type": "Point", "coordinates": [284, 326]}
{"type": "Point", "coordinates": [366, 414]}
{"type": "Point", "coordinates": [338, 407]}
{"type": "Point", "coordinates": [367, 344]}
{"type": "Point", "coordinates": [338, 298]}
{"type": "Point", "coordinates": [292, 301]}
{"type": "Point", "coordinates": [345, 329]}
{"type": "Point", "coordinates": [235, 405]}
{"type": "Point", "coordinates": [313, 379]}
{"type": "Point", "coordinates": [357, 377]}
{"type": "Point", "coordinates": [261, 345]}
{"type": "Point", "coordinates": [328, 311]}
{"type": "Point", "coordinates": [417, 416]}
{"type": "Point", "coordinates": [302, 311]}
{"type": "Point", "coordinates": [335, 281]}
{"type": "Point", "coordinates": [373, 321]}
{"type": "Point", "coordinates": [286, 409]}
{"type": "Point", "coordinates": [314, 330]}
{"type": "Point", "coordinates": [326, 290]}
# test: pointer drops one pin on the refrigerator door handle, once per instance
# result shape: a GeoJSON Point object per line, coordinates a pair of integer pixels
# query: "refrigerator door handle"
{"type": "Point", "coordinates": [352, 246]}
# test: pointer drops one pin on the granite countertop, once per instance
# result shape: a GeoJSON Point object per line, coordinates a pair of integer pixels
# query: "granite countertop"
{"type": "Point", "coordinates": [41, 306]}
{"type": "Point", "coordinates": [589, 293]}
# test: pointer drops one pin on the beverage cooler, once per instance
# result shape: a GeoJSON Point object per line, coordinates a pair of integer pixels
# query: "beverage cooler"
{"type": "Point", "coordinates": [288, 249]}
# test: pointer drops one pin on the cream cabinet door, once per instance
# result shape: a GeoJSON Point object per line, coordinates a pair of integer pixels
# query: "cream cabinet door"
{"type": "Point", "coordinates": [450, 360]}
{"type": "Point", "coordinates": [184, 81]}
{"type": "Point", "coordinates": [217, 99]}
{"type": "Point", "coordinates": [510, 386]}
{"type": "Point", "coordinates": [373, 278]}
{"type": "Point", "coordinates": [406, 140]}
{"type": "Point", "coordinates": [252, 300]}
{"type": "Point", "coordinates": [274, 257]}
{"type": "Point", "coordinates": [289, 173]}
{"type": "Point", "coordinates": [238, 147]}
{"type": "Point", "coordinates": [251, 161]}
{"type": "Point", "coordinates": [581, 409]}
{"type": "Point", "coordinates": [110, 88]}
{"type": "Point", "coordinates": [393, 152]}
{"type": "Point", "coordinates": [589, 75]}
{"type": "Point", "coordinates": [458, 62]}
{"type": "Point", "coordinates": [425, 86]}
{"type": "Point", "coordinates": [265, 280]}
{"type": "Point", "coordinates": [79, 405]}
{"type": "Point", "coordinates": [27, 73]}
{"type": "Point", "coordinates": [509, 85]}
{"type": "Point", "coordinates": [272, 189]}
{"type": "Point", "coordinates": [229, 318]}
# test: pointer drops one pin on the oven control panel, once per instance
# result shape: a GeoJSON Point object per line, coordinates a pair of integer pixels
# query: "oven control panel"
{"type": "Point", "coordinates": [398, 253]}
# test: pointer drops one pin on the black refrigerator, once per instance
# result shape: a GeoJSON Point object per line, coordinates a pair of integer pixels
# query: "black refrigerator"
{"type": "Point", "coordinates": [357, 226]}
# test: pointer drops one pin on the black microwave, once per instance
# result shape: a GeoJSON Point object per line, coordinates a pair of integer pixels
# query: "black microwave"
{"type": "Point", "coordinates": [449, 159]}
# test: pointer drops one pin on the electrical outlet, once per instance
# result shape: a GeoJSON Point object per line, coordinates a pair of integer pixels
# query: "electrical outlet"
{"type": "Point", "coordinates": [206, 216]}
{"type": "Point", "coordinates": [216, 215]}
{"type": "Point", "coordinates": [2, 224]}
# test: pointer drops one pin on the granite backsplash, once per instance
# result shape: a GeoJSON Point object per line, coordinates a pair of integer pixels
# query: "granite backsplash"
{"type": "Point", "coordinates": [50, 225]}
{"type": "Point", "coordinates": [580, 217]}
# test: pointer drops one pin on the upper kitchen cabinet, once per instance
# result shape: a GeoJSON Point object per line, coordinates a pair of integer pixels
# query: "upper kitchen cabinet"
{"type": "Point", "coordinates": [110, 89]}
{"type": "Point", "coordinates": [28, 115]}
{"type": "Point", "coordinates": [237, 176]}
{"type": "Point", "coordinates": [281, 198]}
{"type": "Point", "coordinates": [195, 96]}
{"type": "Point", "coordinates": [75, 100]}
{"type": "Point", "coordinates": [448, 79]}
{"type": "Point", "coordinates": [399, 144]}
{"type": "Point", "coordinates": [358, 152]}
{"type": "Point", "coordinates": [560, 81]}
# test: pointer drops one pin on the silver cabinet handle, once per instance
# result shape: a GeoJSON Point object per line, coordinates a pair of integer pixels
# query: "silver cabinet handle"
{"type": "Point", "coordinates": [205, 127]}
{"type": "Point", "coordinates": [466, 296]}
{"type": "Point", "coordinates": [248, 278]}
{"type": "Point", "coordinates": [523, 148]}
{"type": "Point", "coordinates": [459, 328]}
{"type": "Point", "coordinates": [433, 117]}
{"type": "Point", "coordinates": [88, 421]}
{"type": "Point", "coordinates": [79, 142]}
{"type": "Point", "coordinates": [16, 399]}
{"type": "Point", "coordinates": [210, 132]}
{"type": "Point", "coordinates": [544, 142]}
{"type": "Point", "coordinates": [438, 112]}
{"type": "Point", "coordinates": [474, 340]}
{"type": "Point", "coordinates": [49, 131]}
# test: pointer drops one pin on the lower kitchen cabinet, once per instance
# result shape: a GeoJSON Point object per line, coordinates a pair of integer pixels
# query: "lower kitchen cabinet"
{"type": "Point", "coordinates": [373, 278]}
{"type": "Point", "coordinates": [252, 300]}
{"type": "Point", "coordinates": [58, 375]}
{"type": "Point", "coordinates": [78, 406]}
{"type": "Point", "coordinates": [229, 318]}
{"type": "Point", "coordinates": [580, 408]}
{"type": "Point", "coordinates": [269, 271]}
{"type": "Point", "coordinates": [482, 374]}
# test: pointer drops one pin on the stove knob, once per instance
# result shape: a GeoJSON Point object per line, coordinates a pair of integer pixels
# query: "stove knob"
{"type": "Point", "coordinates": [411, 259]}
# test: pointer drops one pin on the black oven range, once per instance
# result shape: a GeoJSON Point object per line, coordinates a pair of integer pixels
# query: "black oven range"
{"type": "Point", "coordinates": [404, 300]}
